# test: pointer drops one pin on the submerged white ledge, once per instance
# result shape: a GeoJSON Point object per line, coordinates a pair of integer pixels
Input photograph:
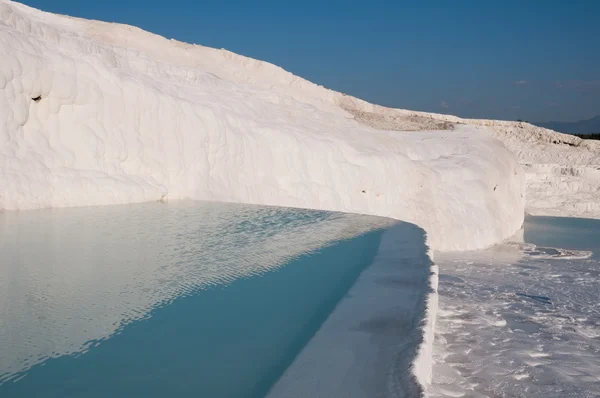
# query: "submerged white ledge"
{"type": "Point", "coordinates": [378, 340]}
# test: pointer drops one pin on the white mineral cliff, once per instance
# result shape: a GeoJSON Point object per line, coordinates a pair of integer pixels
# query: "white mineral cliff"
{"type": "Point", "coordinates": [95, 113]}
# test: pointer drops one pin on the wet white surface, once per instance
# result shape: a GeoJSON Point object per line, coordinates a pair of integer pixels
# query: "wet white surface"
{"type": "Point", "coordinates": [522, 320]}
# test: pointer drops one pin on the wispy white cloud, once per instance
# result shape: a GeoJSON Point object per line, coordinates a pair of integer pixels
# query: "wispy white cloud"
{"type": "Point", "coordinates": [520, 82]}
{"type": "Point", "coordinates": [577, 84]}
{"type": "Point", "coordinates": [444, 105]}
{"type": "Point", "coordinates": [553, 104]}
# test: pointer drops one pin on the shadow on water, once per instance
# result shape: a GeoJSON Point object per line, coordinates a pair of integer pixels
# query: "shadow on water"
{"type": "Point", "coordinates": [540, 299]}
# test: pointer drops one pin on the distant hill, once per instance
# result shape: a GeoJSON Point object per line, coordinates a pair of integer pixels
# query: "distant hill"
{"type": "Point", "coordinates": [589, 136]}
{"type": "Point", "coordinates": [589, 126]}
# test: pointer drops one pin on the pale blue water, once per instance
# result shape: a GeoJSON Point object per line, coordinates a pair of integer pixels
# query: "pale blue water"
{"type": "Point", "coordinates": [564, 232]}
{"type": "Point", "coordinates": [179, 300]}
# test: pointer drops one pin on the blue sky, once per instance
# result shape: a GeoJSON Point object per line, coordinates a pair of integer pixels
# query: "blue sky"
{"type": "Point", "coordinates": [529, 59]}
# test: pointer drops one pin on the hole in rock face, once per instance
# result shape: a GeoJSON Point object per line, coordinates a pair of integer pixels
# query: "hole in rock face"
{"type": "Point", "coordinates": [37, 99]}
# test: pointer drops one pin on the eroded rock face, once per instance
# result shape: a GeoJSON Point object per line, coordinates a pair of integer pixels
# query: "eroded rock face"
{"type": "Point", "coordinates": [389, 121]}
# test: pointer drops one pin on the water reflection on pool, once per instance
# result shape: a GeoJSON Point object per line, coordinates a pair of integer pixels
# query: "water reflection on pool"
{"type": "Point", "coordinates": [155, 300]}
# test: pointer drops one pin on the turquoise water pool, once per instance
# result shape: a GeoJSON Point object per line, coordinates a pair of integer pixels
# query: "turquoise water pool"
{"type": "Point", "coordinates": [186, 299]}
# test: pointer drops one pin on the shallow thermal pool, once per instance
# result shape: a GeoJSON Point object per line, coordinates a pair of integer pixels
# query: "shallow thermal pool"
{"type": "Point", "coordinates": [522, 319]}
{"type": "Point", "coordinates": [172, 300]}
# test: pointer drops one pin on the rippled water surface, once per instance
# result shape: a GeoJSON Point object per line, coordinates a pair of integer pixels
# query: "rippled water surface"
{"type": "Point", "coordinates": [522, 319]}
{"type": "Point", "coordinates": [155, 300]}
